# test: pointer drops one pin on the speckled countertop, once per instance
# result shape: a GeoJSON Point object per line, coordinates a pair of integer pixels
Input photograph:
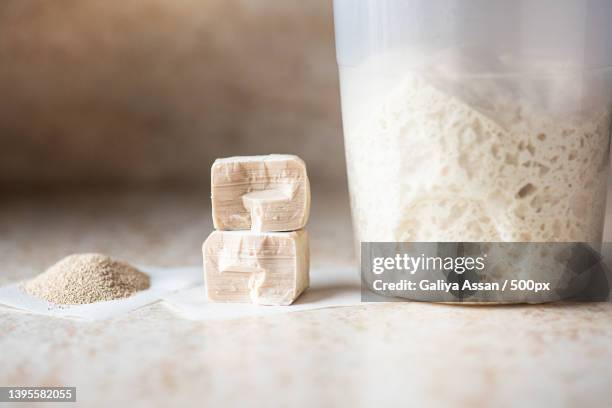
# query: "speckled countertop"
{"type": "Point", "coordinates": [422, 354]}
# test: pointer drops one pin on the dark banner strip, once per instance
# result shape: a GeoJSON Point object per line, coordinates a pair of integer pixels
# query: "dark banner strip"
{"type": "Point", "coordinates": [485, 272]}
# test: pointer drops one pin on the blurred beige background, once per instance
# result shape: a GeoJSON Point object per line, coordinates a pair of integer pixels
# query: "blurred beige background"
{"type": "Point", "coordinates": [149, 92]}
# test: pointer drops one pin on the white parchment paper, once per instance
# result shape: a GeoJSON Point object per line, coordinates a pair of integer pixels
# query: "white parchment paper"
{"type": "Point", "coordinates": [182, 290]}
{"type": "Point", "coordinates": [163, 281]}
{"type": "Point", "coordinates": [329, 287]}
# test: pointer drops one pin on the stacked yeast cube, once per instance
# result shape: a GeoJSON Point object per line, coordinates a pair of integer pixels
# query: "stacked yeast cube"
{"type": "Point", "coordinates": [259, 252]}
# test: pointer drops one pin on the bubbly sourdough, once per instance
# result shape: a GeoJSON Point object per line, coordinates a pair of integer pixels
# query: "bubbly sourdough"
{"type": "Point", "coordinates": [426, 166]}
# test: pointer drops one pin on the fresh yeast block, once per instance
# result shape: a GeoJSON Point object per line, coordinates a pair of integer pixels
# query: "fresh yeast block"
{"type": "Point", "coordinates": [265, 268]}
{"type": "Point", "coordinates": [260, 193]}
